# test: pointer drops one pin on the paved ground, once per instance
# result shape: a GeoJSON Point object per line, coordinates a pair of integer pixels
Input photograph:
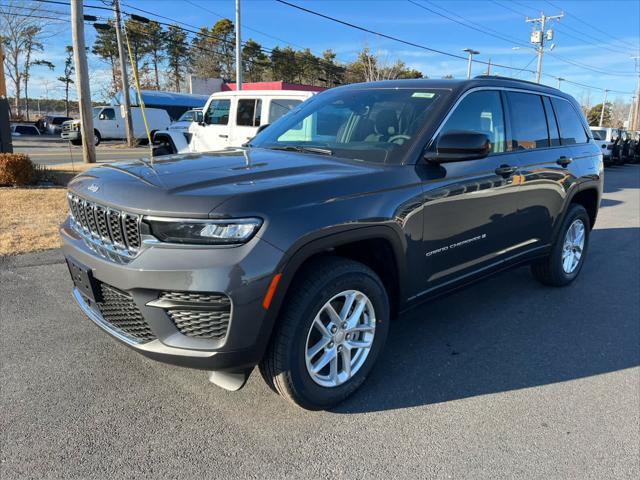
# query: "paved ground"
{"type": "Point", "coordinates": [50, 150]}
{"type": "Point", "coordinates": [506, 379]}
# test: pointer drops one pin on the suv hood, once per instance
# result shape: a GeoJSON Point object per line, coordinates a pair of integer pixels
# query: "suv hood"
{"type": "Point", "coordinates": [192, 185]}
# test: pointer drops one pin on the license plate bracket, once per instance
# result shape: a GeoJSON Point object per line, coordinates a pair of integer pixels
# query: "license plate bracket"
{"type": "Point", "coordinates": [83, 280]}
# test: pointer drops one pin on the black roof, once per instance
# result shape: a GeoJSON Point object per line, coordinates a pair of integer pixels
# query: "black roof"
{"type": "Point", "coordinates": [460, 85]}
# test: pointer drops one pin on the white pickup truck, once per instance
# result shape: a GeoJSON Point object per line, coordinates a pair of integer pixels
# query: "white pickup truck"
{"type": "Point", "coordinates": [108, 123]}
{"type": "Point", "coordinates": [229, 119]}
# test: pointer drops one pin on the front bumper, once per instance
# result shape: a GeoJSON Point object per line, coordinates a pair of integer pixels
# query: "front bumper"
{"type": "Point", "coordinates": [241, 273]}
{"type": "Point", "coordinates": [70, 135]}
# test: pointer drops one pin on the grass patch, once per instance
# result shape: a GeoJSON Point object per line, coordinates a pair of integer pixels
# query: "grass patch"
{"type": "Point", "coordinates": [29, 219]}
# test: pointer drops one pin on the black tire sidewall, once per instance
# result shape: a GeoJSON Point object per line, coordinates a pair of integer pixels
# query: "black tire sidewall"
{"type": "Point", "coordinates": [310, 394]}
{"type": "Point", "coordinates": [576, 212]}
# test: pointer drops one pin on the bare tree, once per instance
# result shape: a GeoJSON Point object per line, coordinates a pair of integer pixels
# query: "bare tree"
{"type": "Point", "coordinates": [32, 46]}
{"type": "Point", "coordinates": [19, 19]}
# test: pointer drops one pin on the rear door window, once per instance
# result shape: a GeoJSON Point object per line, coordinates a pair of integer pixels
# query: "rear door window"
{"type": "Point", "coordinates": [571, 129]}
{"type": "Point", "coordinates": [554, 133]}
{"type": "Point", "coordinates": [528, 121]}
{"type": "Point", "coordinates": [248, 114]}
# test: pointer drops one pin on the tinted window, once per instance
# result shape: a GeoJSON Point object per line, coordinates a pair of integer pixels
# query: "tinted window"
{"type": "Point", "coordinates": [480, 112]}
{"type": "Point", "coordinates": [281, 107]}
{"type": "Point", "coordinates": [599, 134]}
{"type": "Point", "coordinates": [218, 112]}
{"type": "Point", "coordinates": [528, 121]}
{"type": "Point", "coordinates": [571, 129]}
{"type": "Point", "coordinates": [248, 114]}
{"type": "Point", "coordinates": [26, 130]}
{"type": "Point", "coordinates": [554, 134]}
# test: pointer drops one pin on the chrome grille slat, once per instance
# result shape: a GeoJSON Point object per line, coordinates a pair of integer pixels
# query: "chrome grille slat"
{"type": "Point", "coordinates": [115, 229]}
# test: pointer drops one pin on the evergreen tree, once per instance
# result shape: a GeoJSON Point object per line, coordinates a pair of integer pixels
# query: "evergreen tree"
{"type": "Point", "coordinates": [67, 78]}
{"type": "Point", "coordinates": [177, 51]}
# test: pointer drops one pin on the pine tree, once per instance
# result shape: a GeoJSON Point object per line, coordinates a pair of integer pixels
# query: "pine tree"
{"type": "Point", "coordinates": [177, 51]}
{"type": "Point", "coordinates": [67, 78]}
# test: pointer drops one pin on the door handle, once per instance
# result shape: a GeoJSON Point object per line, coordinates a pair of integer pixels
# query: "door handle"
{"type": "Point", "coordinates": [564, 161]}
{"type": "Point", "coordinates": [223, 136]}
{"type": "Point", "coordinates": [505, 170]}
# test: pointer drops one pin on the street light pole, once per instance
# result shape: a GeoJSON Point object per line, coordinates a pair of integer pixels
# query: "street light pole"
{"type": "Point", "coordinates": [238, 49]}
{"type": "Point", "coordinates": [471, 53]}
{"type": "Point", "coordinates": [604, 104]}
{"type": "Point", "coordinates": [560, 79]}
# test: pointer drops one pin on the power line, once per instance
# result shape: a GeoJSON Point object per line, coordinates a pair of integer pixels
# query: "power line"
{"type": "Point", "coordinates": [485, 30]}
{"type": "Point", "coordinates": [608, 34]}
{"type": "Point", "coordinates": [389, 37]}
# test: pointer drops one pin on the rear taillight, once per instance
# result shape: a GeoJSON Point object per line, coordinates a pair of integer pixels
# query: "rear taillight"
{"type": "Point", "coordinates": [609, 147]}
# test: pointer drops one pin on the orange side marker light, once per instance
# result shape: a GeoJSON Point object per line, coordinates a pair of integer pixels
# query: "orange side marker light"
{"type": "Point", "coordinates": [271, 291]}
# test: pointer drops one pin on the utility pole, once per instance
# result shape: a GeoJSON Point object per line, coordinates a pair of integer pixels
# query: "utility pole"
{"type": "Point", "coordinates": [82, 81]}
{"type": "Point", "coordinates": [471, 53]}
{"type": "Point", "coordinates": [538, 37]}
{"type": "Point", "coordinates": [631, 112]}
{"type": "Point", "coordinates": [238, 49]}
{"type": "Point", "coordinates": [604, 105]}
{"type": "Point", "coordinates": [489, 67]}
{"type": "Point", "coordinates": [128, 124]}
{"type": "Point", "coordinates": [6, 146]}
{"type": "Point", "coordinates": [635, 121]}
{"type": "Point", "coordinates": [560, 79]}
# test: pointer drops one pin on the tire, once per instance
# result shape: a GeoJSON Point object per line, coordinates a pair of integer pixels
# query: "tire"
{"type": "Point", "coordinates": [76, 142]}
{"type": "Point", "coordinates": [552, 270]}
{"type": "Point", "coordinates": [97, 138]}
{"type": "Point", "coordinates": [285, 367]}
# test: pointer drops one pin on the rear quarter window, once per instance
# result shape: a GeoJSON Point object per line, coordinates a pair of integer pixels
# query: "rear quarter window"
{"type": "Point", "coordinates": [571, 129]}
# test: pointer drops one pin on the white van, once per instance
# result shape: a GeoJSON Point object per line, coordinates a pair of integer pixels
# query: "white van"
{"type": "Point", "coordinates": [230, 119]}
{"type": "Point", "coordinates": [108, 123]}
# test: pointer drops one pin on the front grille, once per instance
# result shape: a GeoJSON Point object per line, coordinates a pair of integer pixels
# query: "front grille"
{"type": "Point", "coordinates": [114, 228]}
{"type": "Point", "coordinates": [195, 314]}
{"type": "Point", "coordinates": [119, 310]}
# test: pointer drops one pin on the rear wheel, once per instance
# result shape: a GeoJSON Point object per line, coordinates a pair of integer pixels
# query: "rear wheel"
{"type": "Point", "coordinates": [332, 328]}
{"type": "Point", "coordinates": [97, 138]}
{"type": "Point", "coordinates": [567, 256]}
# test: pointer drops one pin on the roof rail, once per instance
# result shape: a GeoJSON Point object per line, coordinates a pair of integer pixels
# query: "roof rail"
{"type": "Point", "coordinates": [500, 77]}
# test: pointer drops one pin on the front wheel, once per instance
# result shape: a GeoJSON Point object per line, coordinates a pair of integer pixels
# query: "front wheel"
{"type": "Point", "coordinates": [568, 253]}
{"type": "Point", "coordinates": [333, 326]}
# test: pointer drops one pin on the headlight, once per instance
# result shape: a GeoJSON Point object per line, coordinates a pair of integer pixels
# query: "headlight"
{"type": "Point", "coordinates": [207, 232]}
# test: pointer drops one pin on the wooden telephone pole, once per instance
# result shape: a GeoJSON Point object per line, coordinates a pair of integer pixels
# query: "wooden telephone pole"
{"type": "Point", "coordinates": [82, 82]}
{"type": "Point", "coordinates": [126, 102]}
{"type": "Point", "coordinates": [6, 145]}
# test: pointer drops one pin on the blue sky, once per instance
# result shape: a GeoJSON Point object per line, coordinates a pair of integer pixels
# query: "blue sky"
{"type": "Point", "coordinates": [575, 40]}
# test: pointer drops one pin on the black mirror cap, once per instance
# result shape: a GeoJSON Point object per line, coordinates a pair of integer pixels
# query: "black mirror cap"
{"type": "Point", "coordinates": [460, 145]}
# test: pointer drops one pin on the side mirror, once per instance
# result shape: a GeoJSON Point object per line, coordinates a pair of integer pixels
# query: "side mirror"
{"type": "Point", "coordinates": [102, 116]}
{"type": "Point", "coordinates": [460, 145]}
{"type": "Point", "coordinates": [198, 117]}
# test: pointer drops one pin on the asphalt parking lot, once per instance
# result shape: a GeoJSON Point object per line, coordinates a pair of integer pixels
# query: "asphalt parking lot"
{"type": "Point", "coordinates": [505, 379]}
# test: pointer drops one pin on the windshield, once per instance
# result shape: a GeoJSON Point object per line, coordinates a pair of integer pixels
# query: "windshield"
{"type": "Point", "coordinates": [376, 125]}
{"type": "Point", "coordinates": [96, 111]}
{"type": "Point", "coordinates": [599, 134]}
{"type": "Point", "coordinates": [187, 116]}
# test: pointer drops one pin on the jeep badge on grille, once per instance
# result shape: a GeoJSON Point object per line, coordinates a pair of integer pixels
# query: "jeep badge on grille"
{"type": "Point", "coordinates": [93, 188]}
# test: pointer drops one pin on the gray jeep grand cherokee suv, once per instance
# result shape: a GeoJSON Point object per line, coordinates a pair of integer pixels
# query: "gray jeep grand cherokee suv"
{"type": "Point", "coordinates": [294, 252]}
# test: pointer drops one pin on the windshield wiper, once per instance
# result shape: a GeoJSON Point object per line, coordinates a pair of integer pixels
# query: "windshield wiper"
{"type": "Point", "coordinates": [300, 148]}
